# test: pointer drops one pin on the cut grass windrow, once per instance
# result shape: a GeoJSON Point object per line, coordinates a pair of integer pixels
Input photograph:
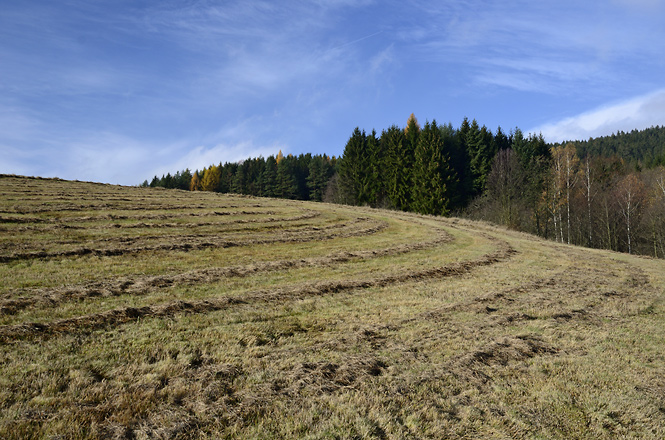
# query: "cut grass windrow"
{"type": "Point", "coordinates": [55, 208]}
{"type": "Point", "coordinates": [143, 284]}
{"type": "Point", "coordinates": [159, 215]}
{"type": "Point", "coordinates": [319, 288]}
{"type": "Point", "coordinates": [208, 241]}
{"type": "Point", "coordinates": [62, 224]}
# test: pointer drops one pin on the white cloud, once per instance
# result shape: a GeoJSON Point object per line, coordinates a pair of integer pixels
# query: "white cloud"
{"type": "Point", "coordinates": [636, 113]}
{"type": "Point", "coordinates": [111, 157]}
{"type": "Point", "coordinates": [201, 157]}
{"type": "Point", "coordinates": [117, 159]}
{"type": "Point", "coordinates": [544, 47]}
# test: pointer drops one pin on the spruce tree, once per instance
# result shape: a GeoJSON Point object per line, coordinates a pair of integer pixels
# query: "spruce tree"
{"type": "Point", "coordinates": [228, 173]}
{"type": "Point", "coordinates": [396, 183]}
{"type": "Point", "coordinates": [411, 135]}
{"type": "Point", "coordinates": [184, 179]}
{"type": "Point", "coordinates": [456, 151]}
{"type": "Point", "coordinates": [433, 178]}
{"type": "Point", "coordinates": [268, 180]}
{"type": "Point", "coordinates": [238, 181]}
{"type": "Point", "coordinates": [352, 169]}
{"type": "Point", "coordinates": [320, 172]}
{"type": "Point", "coordinates": [287, 187]}
{"type": "Point", "coordinates": [300, 173]}
{"type": "Point", "coordinates": [475, 144]}
{"type": "Point", "coordinates": [373, 181]}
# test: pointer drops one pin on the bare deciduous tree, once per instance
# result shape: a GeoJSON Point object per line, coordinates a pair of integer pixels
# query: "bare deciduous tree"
{"type": "Point", "coordinates": [630, 197]}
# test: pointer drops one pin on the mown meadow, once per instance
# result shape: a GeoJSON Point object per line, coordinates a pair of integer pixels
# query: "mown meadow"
{"type": "Point", "coordinates": [144, 313]}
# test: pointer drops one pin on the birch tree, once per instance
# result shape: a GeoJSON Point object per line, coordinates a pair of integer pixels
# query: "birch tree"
{"type": "Point", "coordinates": [589, 193]}
{"type": "Point", "coordinates": [571, 167]}
{"type": "Point", "coordinates": [556, 184]}
{"type": "Point", "coordinates": [565, 166]}
{"type": "Point", "coordinates": [630, 196]}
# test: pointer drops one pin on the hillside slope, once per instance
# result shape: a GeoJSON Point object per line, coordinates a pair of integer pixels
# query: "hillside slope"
{"type": "Point", "coordinates": [149, 313]}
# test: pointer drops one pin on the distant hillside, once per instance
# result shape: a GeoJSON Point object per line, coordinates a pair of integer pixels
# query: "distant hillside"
{"type": "Point", "coordinates": [644, 147]}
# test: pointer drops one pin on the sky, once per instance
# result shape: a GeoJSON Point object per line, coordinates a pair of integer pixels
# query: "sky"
{"type": "Point", "coordinates": [119, 91]}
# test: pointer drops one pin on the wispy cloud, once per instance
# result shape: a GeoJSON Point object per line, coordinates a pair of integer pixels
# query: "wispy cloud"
{"type": "Point", "coordinates": [539, 46]}
{"type": "Point", "coordinates": [637, 113]}
{"type": "Point", "coordinates": [115, 158]}
{"type": "Point", "coordinates": [201, 157]}
{"type": "Point", "coordinates": [30, 146]}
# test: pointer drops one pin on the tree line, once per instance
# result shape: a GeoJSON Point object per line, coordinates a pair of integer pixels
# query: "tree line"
{"type": "Point", "coordinates": [303, 177]}
{"type": "Point", "coordinates": [592, 200]}
{"type": "Point", "coordinates": [641, 148]}
{"type": "Point", "coordinates": [434, 169]}
{"type": "Point", "coordinates": [607, 192]}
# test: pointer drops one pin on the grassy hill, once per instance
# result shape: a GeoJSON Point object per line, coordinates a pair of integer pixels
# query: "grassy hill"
{"type": "Point", "coordinates": [137, 313]}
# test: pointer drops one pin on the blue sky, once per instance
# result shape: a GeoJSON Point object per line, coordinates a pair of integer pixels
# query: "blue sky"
{"type": "Point", "coordinates": [118, 91]}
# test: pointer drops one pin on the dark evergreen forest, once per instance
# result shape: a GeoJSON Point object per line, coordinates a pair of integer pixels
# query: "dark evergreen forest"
{"type": "Point", "coordinates": [607, 192]}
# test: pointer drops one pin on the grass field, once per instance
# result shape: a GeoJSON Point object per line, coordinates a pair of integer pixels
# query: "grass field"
{"type": "Point", "coordinates": [138, 313]}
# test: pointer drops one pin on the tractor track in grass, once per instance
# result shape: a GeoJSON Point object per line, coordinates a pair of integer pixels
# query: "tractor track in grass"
{"type": "Point", "coordinates": [9, 333]}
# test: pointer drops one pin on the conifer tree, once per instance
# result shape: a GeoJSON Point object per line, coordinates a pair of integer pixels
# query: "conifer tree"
{"type": "Point", "coordinates": [287, 187]}
{"type": "Point", "coordinates": [396, 180]}
{"type": "Point", "coordinates": [238, 180]}
{"type": "Point", "coordinates": [373, 182]}
{"type": "Point", "coordinates": [226, 180]}
{"type": "Point", "coordinates": [301, 173]}
{"type": "Point", "coordinates": [167, 181]}
{"type": "Point", "coordinates": [459, 162]}
{"type": "Point", "coordinates": [411, 135]}
{"type": "Point", "coordinates": [501, 141]}
{"type": "Point", "coordinates": [184, 179]}
{"type": "Point", "coordinates": [474, 140]}
{"type": "Point", "coordinates": [268, 180]}
{"type": "Point", "coordinates": [353, 170]}
{"type": "Point", "coordinates": [320, 172]}
{"type": "Point", "coordinates": [433, 178]}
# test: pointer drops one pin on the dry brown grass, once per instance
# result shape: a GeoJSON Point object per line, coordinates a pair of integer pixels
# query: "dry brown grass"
{"type": "Point", "coordinates": [321, 321]}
